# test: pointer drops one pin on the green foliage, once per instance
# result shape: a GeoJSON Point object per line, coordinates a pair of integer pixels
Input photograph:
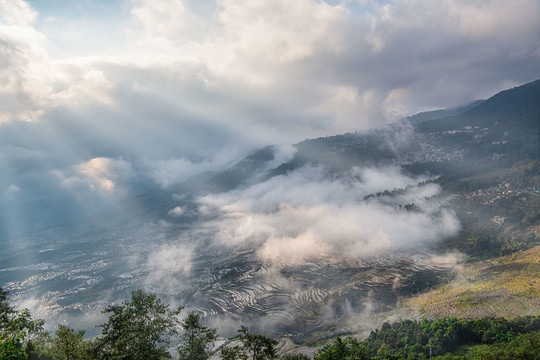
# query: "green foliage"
{"type": "Point", "coordinates": [522, 347]}
{"type": "Point", "coordinates": [17, 326]}
{"type": "Point", "coordinates": [489, 338]}
{"type": "Point", "coordinates": [40, 347]}
{"type": "Point", "coordinates": [350, 349]}
{"type": "Point", "coordinates": [5, 308]}
{"type": "Point", "coordinates": [254, 346]}
{"type": "Point", "coordinates": [142, 328]}
{"type": "Point", "coordinates": [196, 339]}
{"type": "Point", "coordinates": [70, 345]}
{"type": "Point", "coordinates": [416, 339]}
{"type": "Point", "coordinates": [233, 353]}
{"type": "Point", "coordinates": [139, 329]}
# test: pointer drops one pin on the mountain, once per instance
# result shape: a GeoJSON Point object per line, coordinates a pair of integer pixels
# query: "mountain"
{"type": "Point", "coordinates": [515, 108]}
{"type": "Point", "coordinates": [440, 114]}
{"type": "Point", "coordinates": [508, 122]}
{"type": "Point", "coordinates": [330, 238]}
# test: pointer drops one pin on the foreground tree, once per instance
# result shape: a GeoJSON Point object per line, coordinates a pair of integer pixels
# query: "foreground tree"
{"type": "Point", "coordinates": [139, 329]}
{"type": "Point", "coordinates": [40, 347]}
{"type": "Point", "coordinates": [16, 327]}
{"type": "Point", "coordinates": [254, 346]}
{"type": "Point", "coordinates": [70, 345]}
{"type": "Point", "coordinates": [350, 349]}
{"type": "Point", "coordinates": [196, 339]}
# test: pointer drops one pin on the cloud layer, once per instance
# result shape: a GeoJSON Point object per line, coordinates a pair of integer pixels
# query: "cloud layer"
{"type": "Point", "coordinates": [172, 88]}
{"type": "Point", "coordinates": [308, 214]}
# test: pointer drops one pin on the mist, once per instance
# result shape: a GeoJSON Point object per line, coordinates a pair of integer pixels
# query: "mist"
{"type": "Point", "coordinates": [309, 213]}
{"type": "Point", "coordinates": [285, 240]}
{"type": "Point", "coordinates": [174, 89]}
{"type": "Point", "coordinates": [111, 110]}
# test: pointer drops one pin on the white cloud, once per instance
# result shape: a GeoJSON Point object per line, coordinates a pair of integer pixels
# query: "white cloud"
{"type": "Point", "coordinates": [104, 176]}
{"type": "Point", "coordinates": [83, 87]}
{"type": "Point", "coordinates": [306, 66]}
{"type": "Point", "coordinates": [176, 211]}
{"type": "Point", "coordinates": [308, 59]}
{"type": "Point", "coordinates": [293, 218]}
{"type": "Point", "coordinates": [24, 69]}
{"type": "Point", "coordinates": [32, 83]}
{"type": "Point", "coordinates": [168, 19]}
{"type": "Point", "coordinates": [176, 91]}
{"type": "Point", "coordinates": [103, 172]}
{"type": "Point", "coordinates": [260, 37]}
{"type": "Point", "coordinates": [282, 153]}
{"type": "Point", "coordinates": [17, 12]}
{"type": "Point", "coordinates": [169, 265]}
{"type": "Point", "coordinates": [172, 171]}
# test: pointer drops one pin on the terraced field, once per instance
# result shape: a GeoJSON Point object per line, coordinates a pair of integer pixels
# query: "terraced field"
{"type": "Point", "coordinates": [504, 287]}
{"type": "Point", "coordinates": [66, 278]}
{"type": "Point", "coordinates": [316, 297]}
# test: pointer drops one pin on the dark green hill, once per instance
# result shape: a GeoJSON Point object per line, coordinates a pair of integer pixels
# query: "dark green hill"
{"type": "Point", "coordinates": [441, 113]}
{"type": "Point", "coordinates": [514, 109]}
{"type": "Point", "coordinates": [507, 123]}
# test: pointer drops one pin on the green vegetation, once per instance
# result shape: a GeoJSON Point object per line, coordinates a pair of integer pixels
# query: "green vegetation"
{"type": "Point", "coordinates": [501, 233]}
{"type": "Point", "coordinates": [506, 286]}
{"type": "Point", "coordinates": [343, 350]}
{"type": "Point", "coordinates": [523, 347]}
{"type": "Point", "coordinates": [254, 346]}
{"type": "Point", "coordinates": [69, 344]}
{"type": "Point", "coordinates": [196, 340]}
{"type": "Point", "coordinates": [144, 328]}
{"type": "Point", "coordinates": [17, 327]}
{"type": "Point", "coordinates": [488, 338]}
{"type": "Point", "coordinates": [137, 329]}
{"type": "Point", "coordinates": [499, 210]}
{"type": "Point", "coordinates": [417, 339]}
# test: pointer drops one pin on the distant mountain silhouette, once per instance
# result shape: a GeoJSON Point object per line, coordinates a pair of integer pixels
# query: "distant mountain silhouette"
{"type": "Point", "coordinates": [515, 109]}
{"type": "Point", "coordinates": [511, 117]}
{"type": "Point", "coordinates": [441, 113]}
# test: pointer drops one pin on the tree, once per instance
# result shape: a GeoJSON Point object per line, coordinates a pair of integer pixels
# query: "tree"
{"type": "Point", "coordinates": [69, 345]}
{"type": "Point", "coordinates": [254, 346]}
{"type": "Point", "coordinates": [16, 327]}
{"type": "Point", "coordinates": [196, 340]}
{"type": "Point", "coordinates": [139, 329]}
{"type": "Point", "coordinates": [233, 353]}
{"type": "Point", "coordinates": [336, 351]}
{"type": "Point", "coordinates": [5, 308]}
{"type": "Point", "coordinates": [350, 349]}
{"type": "Point", "coordinates": [40, 346]}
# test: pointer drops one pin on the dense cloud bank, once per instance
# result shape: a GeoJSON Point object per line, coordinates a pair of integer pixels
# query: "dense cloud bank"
{"type": "Point", "coordinates": [308, 214]}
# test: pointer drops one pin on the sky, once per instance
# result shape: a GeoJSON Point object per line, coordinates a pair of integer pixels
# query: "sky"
{"type": "Point", "coordinates": [101, 100]}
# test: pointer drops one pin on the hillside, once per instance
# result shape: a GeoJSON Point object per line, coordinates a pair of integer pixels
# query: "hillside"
{"type": "Point", "coordinates": [506, 286]}
{"type": "Point", "coordinates": [297, 245]}
{"type": "Point", "coordinates": [515, 109]}
{"type": "Point", "coordinates": [440, 114]}
{"type": "Point", "coordinates": [507, 123]}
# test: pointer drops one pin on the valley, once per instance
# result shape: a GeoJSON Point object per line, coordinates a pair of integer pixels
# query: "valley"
{"type": "Point", "coordinates": [407, 221]}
